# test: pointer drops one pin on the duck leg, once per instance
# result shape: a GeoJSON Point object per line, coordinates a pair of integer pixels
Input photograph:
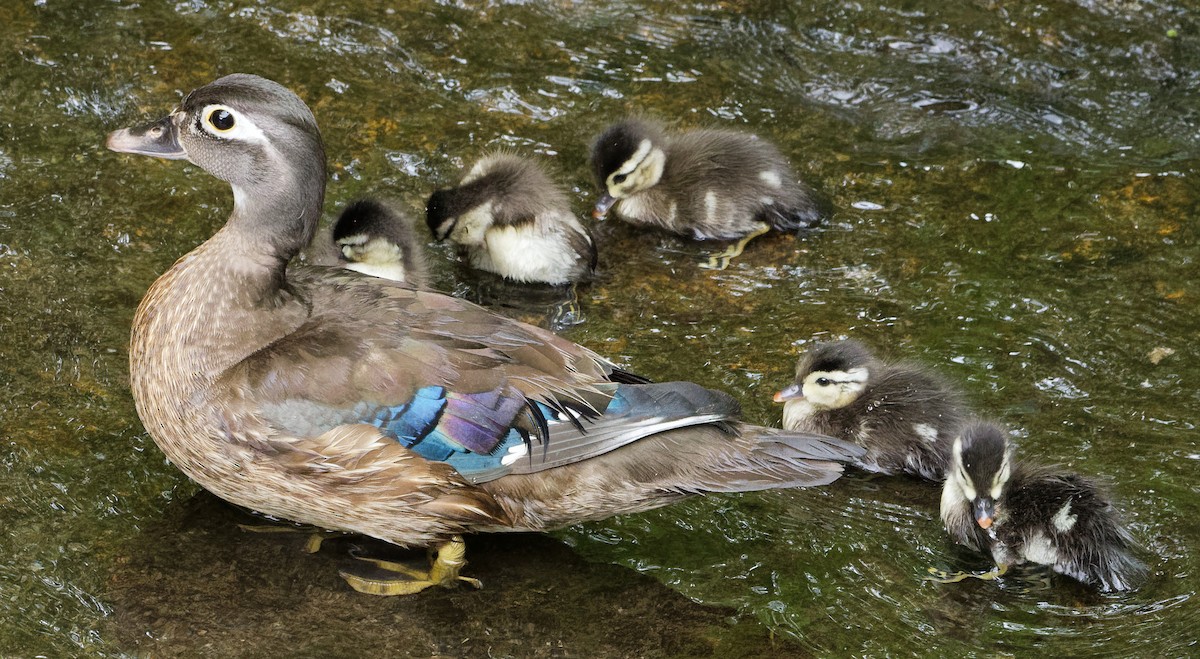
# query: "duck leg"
{"type": "Point", "coordinates": [444, 566]}
{"type": "Point", "coordinates": [721, 260]}
{"type": "Point", "coordinates": [942, 576]}
{"type": "Point", "coordinates": [316, 536]}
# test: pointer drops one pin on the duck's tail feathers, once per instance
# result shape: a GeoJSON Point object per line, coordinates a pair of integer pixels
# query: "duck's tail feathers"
{"type": "Point", "coordinates": [635, 412]}
{"type": "Point", "coordinates": [778, 459]}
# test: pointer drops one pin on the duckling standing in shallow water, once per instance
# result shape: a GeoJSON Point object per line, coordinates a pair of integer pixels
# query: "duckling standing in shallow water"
{"type": "Point", "coordinates": [354, 404]}
{"type": "Point", "coordinates": [513, 220]}
{"type": "Point", "coordinates": [706, 184]}
{"type": "Point", "coordinates": [375, 239]}
{"type": "Point", "coordinates": [1019, 512]}
{"type": "Point", "coordinates": [903, 415]}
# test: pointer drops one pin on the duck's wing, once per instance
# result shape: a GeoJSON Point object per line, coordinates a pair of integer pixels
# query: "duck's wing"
{"type": "Point", "coordinates": [456, 383]}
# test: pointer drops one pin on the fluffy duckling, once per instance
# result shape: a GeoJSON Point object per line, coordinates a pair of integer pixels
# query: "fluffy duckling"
{"type": "Point", "coordinates": [707, 184]}
{"type": "Point", "coordinates": [513, 220]}
{"type": "Point", "coordinates": [354, 404]}
{"type": "Point", "coordinates": [903, 415]}
{"type": "Point", "coordinates": [374, 239]}
{"type": "Point", "coordinates": [1022, 512]}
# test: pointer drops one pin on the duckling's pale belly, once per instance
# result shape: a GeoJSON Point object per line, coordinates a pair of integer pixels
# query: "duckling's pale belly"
{"type": "Point", "coordinates": [524, 254]}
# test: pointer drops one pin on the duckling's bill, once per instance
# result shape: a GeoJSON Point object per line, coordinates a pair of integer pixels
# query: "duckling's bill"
{"type": "Point", "coordinates": [159, 139]}
{"type": "Point", "coordinates": [793, 391]}
{"type": "Point", "coordinates": [604, 203]}
{"type": "Point", "coordinates": [985, 510]}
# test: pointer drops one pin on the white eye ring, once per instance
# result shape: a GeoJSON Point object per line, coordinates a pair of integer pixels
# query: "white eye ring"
{"type": "Point", "coordinates": [236, 125]}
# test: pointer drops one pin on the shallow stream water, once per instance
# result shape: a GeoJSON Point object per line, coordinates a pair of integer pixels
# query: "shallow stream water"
{"type": "Point", "coordinates": [1016, 197]}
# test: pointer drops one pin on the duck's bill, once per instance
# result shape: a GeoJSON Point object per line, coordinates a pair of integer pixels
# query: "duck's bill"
{"type": "Point", "coordinates": [985, 512]}
{"type": "Point", "coordinates": [790, 392]}
{"type": "Point", "coordinates": [602, 205]}
{"type": "Point", "coordinates": [159, 139]}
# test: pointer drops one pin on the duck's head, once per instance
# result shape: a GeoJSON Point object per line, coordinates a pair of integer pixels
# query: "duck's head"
{"type": "Point", "coordinates": [831, 375]}
{"type": "Point", "coordinates": [980, 464]}
{"type": "Point", "coordinates": [251, 132]}
{"type": "Point", "coordinates": [374, 239]}
{"type": "Point", "coordinates": [627, 158]}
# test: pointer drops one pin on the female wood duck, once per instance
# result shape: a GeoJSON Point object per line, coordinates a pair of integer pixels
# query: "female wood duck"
{"type": "Point", "coordinates": [358, 404]}
{"type": "Point", "coordinates": [375, 239]}
{"type": "Point", "coordinates": [1018, 511]}
{"type": "Point", "coordinates": [513, 220]}
{"type": "Point", "coordinates": [903, 415]}
{"type": "Point", "coordinates": [705, 184]}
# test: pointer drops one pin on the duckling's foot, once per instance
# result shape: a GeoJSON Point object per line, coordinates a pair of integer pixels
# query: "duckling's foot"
{"type": "Point", "coordinates": [315, 538]}
{"type": "Point", "coordinates": [942, 576]}
{"type": "Point", "coordinates": [566, 313]}
{"type": "Point", "coordinates": [444, 569]}
{"type": "Point", "coordinates": [721, 260]}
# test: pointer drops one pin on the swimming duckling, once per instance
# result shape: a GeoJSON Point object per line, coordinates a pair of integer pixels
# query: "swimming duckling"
{"type": "Point", "coordinates": [1018, 512]}
{"type": "Point", "coordinates": [903, 415]}
{"type": "Point", "coordinates": [513, 220]}
{"type": "Point", "coordinates": [374, 239]}
{"type": "Point", "coordinates": [707, 184]}
{"type": "Point", "coordinates": [355, 404]}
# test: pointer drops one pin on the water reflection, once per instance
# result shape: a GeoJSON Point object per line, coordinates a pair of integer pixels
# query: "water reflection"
{"type": "Point", "coordinates": [165, 592]}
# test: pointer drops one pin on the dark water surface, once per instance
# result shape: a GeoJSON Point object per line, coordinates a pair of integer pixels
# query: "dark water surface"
{"type": "Point", "coordinates": [1015, 185]}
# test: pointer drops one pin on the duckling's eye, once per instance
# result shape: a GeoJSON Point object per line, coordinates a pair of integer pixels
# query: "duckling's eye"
{"type": "Point", "coordinates": [221, 119]}
{"type": "Point", "coordinates": [620, 178]}
{"type": "Point", "coordinates": [824, 382]}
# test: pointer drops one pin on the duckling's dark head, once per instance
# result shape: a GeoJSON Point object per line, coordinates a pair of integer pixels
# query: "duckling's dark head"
{"type": "Point", "coordinates": [364, 220]}
{"type": "Point", "coordinates": [627, 158]}
{"type": "Point", "coordinates": [375, 239]}
{"type": "Point", "coordinates": [251, 132]}
{"type": "Point", "coordinates": [979, 468]}
{"type": "Point", "coordinates": [831, 375]}
{"type": "Point", "coordinates": [440, 213]}
{"type": "Point", "coordinates": [499, 183]}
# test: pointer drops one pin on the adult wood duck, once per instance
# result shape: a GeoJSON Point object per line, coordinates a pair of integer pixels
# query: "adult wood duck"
{"type": "Point", "coordinates": [705, 184]}
{"type": "Point", "coordinates": [905, 416]}
{"type": "Point", "coordinates": [375, 239]}
{"type": "Point", "coordinates": [1019, 511]}
{"type": "Point", "coordinates": [359, 404]}
{"type": "Point", "coordinates": [511, 219]}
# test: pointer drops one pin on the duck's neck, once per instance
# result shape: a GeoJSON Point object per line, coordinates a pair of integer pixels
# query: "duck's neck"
{"type": "Point", "coordinates": [230, 296]}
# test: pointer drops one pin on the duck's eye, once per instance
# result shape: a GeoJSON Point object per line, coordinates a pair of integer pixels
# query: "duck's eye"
{"type": "Point", "coordinates": [620, 178]}
{"type": "Point", "coordinates": [824, 382]}
{"type": "Point", "coordinates": [221, 119]}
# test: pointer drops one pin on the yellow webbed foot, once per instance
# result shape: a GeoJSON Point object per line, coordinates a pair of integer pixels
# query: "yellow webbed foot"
{"type": "Point", "coordinates": [721, 260]}
{"type": "Point", "coordinates": [942, 576]}
{"type": "Point", "coordinates": [444, 568]}
{"type": "Point", "coordinates": [311, 546]}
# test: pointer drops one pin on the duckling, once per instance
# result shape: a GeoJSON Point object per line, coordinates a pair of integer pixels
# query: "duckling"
{"type": "Point", "coordinates": [902, 414]}
{"type": "Point", "coordinates": [375, 239]}
{"type": "Point", "coordinates": [363, 405]}
{"type": "Point", "coordinates": [512, 219]}
{"type": "Point", "coordinates": [1023, 512]}
{"type": "Point", "coordinates": [706, 184]}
